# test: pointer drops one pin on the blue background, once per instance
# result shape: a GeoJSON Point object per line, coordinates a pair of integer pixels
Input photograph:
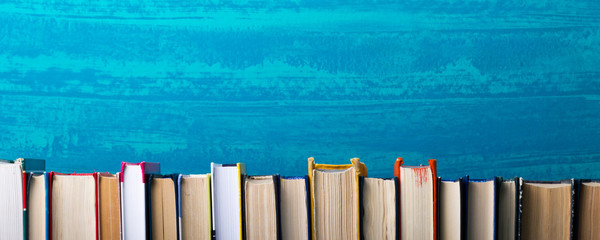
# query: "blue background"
{"type": "Point", "coordinates": [488, 88]}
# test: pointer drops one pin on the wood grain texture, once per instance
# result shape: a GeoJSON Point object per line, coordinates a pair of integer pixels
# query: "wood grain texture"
{"type": "Point", "coordinates": [486, 87]}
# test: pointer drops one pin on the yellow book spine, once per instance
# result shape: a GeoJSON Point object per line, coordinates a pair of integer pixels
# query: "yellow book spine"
{"type": "Point", "coordinates": [208, 182]}
{"type": "Point", "coordinates": [311, 167]}
{"type": "Point", "coordinates": [241, 171]}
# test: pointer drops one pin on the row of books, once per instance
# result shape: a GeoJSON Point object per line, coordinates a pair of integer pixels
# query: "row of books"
{"type": "Point", "coordinates": [331, 202]}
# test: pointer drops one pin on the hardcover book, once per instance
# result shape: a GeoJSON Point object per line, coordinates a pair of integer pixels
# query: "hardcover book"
{"type": "Point", "coordinates": [162, 200]}
{"type": "Point", "coordinates": [37, 204]}
{"type": "Point", "coordinates": [482, 209]}
{"type": "Point", "coordinates": [73, 204]}
{"type": "Point", "coordinates": [418, 200]}
{"type": "Point", "coordinates": [589, 210]}
{"type": "Point", "coordinates": [452, 208]}
{"type": "Point", "coordinates": [509, 195]}
{"type": "Point", "coordinates": [134, 214]}
{"type": "Point", "coordinates": [261, 206]}
{"type": "Point", "coordinates": [109, 209]}
{"type": "Point", "coordinates": [547, 204]}
{"type": "Point", "coordinates": [294, 208]}
{"type": "Point", "coordinates": [227, 200]}
{"type": "Point", "coordinates": [378, 208]}
{"type": "Point", "coordinates": [335, 200]}
{"type": "Point", "coordinates": [194, 207]}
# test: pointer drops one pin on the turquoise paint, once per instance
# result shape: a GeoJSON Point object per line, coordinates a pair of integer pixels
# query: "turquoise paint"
{"type": "Point", "coordinates": [486, 87]}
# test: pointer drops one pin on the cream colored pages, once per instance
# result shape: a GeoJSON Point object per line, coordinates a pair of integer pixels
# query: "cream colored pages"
{"type": "Point", "coordinates": [506, 210]}
{"type": "Point", "coordinates": [481, 211]}
{"type": "Point", "coordinates": [379, 207]}
{"type": "Point", "coordinates": [11, 197]}
{"type": "Point", "coordinates": [108, 207]}
{"type": "Point", "coordinates": [416, 201]}
{"type": "Point", "coordinates": [195, 208]}
{"type": "Point", "coordinates": [294, 215]}
{"type": "Point", "coordinates": [73, 207]}
{"type": "Point", "coordinates": [37, 208]}
{"type": "Point", "coordinates": [335, 201]}
{"type": "Point", "coordinates": [163, 209]}
{"type": "Point", "coordinates": [450, 210]}
{"type": "Point", "coordinates": [546, 211]}
{"type": "Point", "coordinates": [589, 211]}
{"type": "Point", "coordinates": [260, 206]}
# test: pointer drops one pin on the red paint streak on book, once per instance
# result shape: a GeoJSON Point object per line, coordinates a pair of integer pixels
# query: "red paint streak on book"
{"type": "Point", "coordinates": [421, 175]}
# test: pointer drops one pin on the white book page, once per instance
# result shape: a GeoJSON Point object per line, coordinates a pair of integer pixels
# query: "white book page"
{"type": "Point", "coordinates": [226, 205]}
{"type": "Point", "coordinates": [133, 196]}
{"type": "Point", "coordinates": [11, 197]}
{"type": "Point", "coordinates": [450, 218]}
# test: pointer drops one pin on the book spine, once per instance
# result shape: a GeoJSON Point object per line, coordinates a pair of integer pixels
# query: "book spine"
{"type": "Point", "coordinates": [311, 167]}
{"type": "Point", "coordinates": [433, 166]}
{"type": "Point", "coordinates": [308, 209]}
{"type": "Point", "coordinates": [241, 177]}
{"type": "Point", "coordinates": [24, 179]}
{"type": "Point", "coordinates": [178, 187]}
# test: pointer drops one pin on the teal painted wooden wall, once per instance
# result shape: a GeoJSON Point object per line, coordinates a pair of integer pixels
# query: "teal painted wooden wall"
{"type": "Point", "coordinates": [487, 87]}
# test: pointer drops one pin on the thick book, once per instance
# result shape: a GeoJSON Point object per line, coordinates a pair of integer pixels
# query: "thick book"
{"type": "Point", "coordinates": [134, 215]}
{"type": "Point", "coordinates": [162, 202]}
{"type": "Point", "coordinates": [194, 207]}
{"type": "Point", "coordinates": [294, 205]}
{"type": "Point", "coordinates": [13, 205]}
{"type": "Point", "coordinates": [509, 196]}
{"type": "Point", "coordinates": [452, 208]}
{"type": "Point", "coordinates": [261, 206]}
{"type": "Point", "coordinates": [482, 209]}
{"type": "Point", "coordinates": [37, 204]}
{"type": "Point", "coordinates": [227, 200]}
{"type": "Point", "coordinates": [589, 209]}
{"type": "Point", "coordinates": [335, 200]}
{"type": "Point", "coordinates": [378, 200]}
{"type": "Point", "coordinates": [109, 206]}
{"type": "Point", "coordinates": [418, 200]}
{"type": "Point", "coordinates": [73, 201]}
{"type": "Point", "coordinates": [545, 204]}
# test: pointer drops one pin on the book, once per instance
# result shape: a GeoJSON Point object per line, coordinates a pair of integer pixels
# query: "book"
{"type": "Point", "coordinates": [452, 208]}
{"type": "Point", "coordinates": [378, 208]}
{"type": "Point", "coordinates": [482, 209]}
{"type": "Point", "coordinates": [133, 180]}
{"type": "Point", "coordinates": [509, 195]}
{"type": "Point", "coordinates": [72, 202]}
{"type": "Point", "coordinates": [109, 208]}
{"type": "Point", "coordinates": [261, 207]}
{"type": "Point", "coordinates": [589, 209]}
{"type": "Point", "coordinates": [418, 200]}
{"type": "Point", "coordinates": [29, 166]}
{"type": "Point", "coordinates": [294, 208]}
{"type": "Point", "coordinates": [545, 204]}
{"type": "Point", "coordinates": [194, 207]}
{"type": "Point", "coordinates": [12, 205]}
{"type": "Point", "coordinates": [335, 200]}
{"type": "Point", "coordinates": [162, 200]}
{"type": "Point", "coordinates": [227, 201]}
{"type": "Point", "coordinates": [37, 204]}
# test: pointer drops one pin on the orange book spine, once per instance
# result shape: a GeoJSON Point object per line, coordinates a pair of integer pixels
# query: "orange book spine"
{"type": "Point", "coordinates": [433, 165]}
{"type": "Point", "coordinates": [397, 166]}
